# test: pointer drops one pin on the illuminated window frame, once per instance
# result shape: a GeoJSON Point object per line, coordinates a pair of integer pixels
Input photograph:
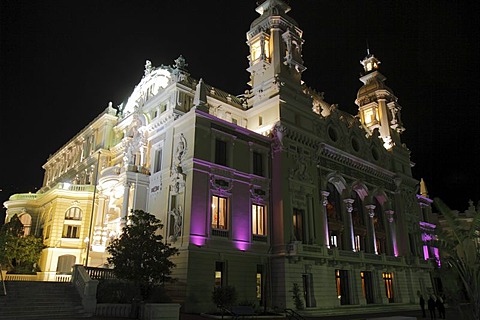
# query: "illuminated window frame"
{"type": "Point", "coordinates": [259, 219]}
{"type": "Point", "coordinates": [219, 212]}
{"type": "Point", "coordinates": [71, 231]}
{"type": "Point", "coordinates": [73, 213]}
{"type": "Point", "coordinates": [388, 281]}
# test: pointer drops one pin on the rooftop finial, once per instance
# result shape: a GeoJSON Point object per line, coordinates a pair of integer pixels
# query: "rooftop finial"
{"type": "Point", "coordinates": [368, 49]}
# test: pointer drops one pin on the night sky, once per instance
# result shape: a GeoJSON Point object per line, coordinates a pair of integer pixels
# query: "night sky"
{"type": "Point", "coordinates": [63, 61]}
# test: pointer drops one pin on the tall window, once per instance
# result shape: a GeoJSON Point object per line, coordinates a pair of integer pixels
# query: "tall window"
{"type": "Point", "coordinates": [343, 291]}
{"type": "Point", "coordinates": [26, 220]}
{"type": "Point", "coordinates": [157, 165]}
{"type": "Point", "coordinates": [73, 220]}
{"type": "Point", "coordinates": [219, 213]}
{"type": "Point", "coordinates": [333, 240]}
{"type": "Point", "coordinates": [257, 164]}
{"type": "Point", "coordinates": [219, 266]}
{"type": "Point", "coordinates": [334, 208]}
{"type": "Point", "coordinates": [379, 223]}
{"type": "Point", "coordinates": [358, 214]}
{"type": "Point", "coordinates": [298, 224]}
{"type": "Point", "coordinates": [259, 282]}
{"type": "Point", "coordinates": [220, 152]}
{"type": "Point", "coordinates": [358, 242]}
{"type": "Point", "coordinates": [259, 221]}
{"type": "Point", "coordinates": [388, 280]}
{"type": "Point", "coordinates": [367, 286]}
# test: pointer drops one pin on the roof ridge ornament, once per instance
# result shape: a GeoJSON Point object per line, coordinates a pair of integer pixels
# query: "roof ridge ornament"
{"type": "Point", "coordinates": [272, 5]}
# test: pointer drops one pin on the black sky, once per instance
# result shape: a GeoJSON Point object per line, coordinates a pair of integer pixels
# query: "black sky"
{"type": "Point", "coordinates": [63, 61]}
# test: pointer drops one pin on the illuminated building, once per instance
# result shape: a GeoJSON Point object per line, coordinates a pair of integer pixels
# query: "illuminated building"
{"type": "Point", "coordinates": [260, 191]}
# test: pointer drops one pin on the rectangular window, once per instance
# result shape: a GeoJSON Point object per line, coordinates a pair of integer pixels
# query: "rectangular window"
{"type": "Point", "coordinates": [259, 280]}
{"type": "Point", "coordinates": [220, 152]}
{"type": "Point", "coordinates": [257, 164]}
{"type": "Point", "coordinates": [260, 120]}
{"type": "Point", "coordinates": [358, 241]}
{"type": "Point", "coordinates": [70, 231]}
{"type": "Point", "coordinates": [333, 240]}
{"type": "Point", "coordinates": [367, 286]}
{"type": "Point", "coordinates": [47, 232]}
{"type": "Point", "coordinates": [219, 266]}
{"type": "Point", "coordinates": [157, 165]}
{"type": "Point", "coordinates": [298, 224]}
{"type": "Point", "coordinates": [219, 213]}
{"type": "Point", "coordinates": [388, 280]}
{"type": "Point", "coordinates": [259, 223]}
{"type": "Point", "coordinates": [343, 292]}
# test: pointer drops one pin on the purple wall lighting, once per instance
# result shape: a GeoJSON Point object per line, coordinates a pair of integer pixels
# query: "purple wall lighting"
{"type": "Point", "coordinates": [199, 241]}
{"type": "Point", "coordinates": [242, 245]}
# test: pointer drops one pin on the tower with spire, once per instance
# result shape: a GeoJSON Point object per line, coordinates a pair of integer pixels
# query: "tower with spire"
{"type": "Point", "coordinates": [377, 104]}
{"type": "Point", "coordinates": [275, 58]}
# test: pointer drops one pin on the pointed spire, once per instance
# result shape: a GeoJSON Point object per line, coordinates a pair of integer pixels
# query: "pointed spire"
{"type": "Point", "coordinates": [423, 188]}
{"type": "Point", "coordinates": [200, 97]}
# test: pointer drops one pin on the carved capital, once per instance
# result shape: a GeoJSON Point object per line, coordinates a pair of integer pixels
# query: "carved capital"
{"type": "Point", "coordinates": [370, 210]}
{"type": "Point", "coordinates": [349, 205]}
{"type": "Point", "coordinates": [389, 214]}
{"type": "Point", "coordinates": [325, 195]}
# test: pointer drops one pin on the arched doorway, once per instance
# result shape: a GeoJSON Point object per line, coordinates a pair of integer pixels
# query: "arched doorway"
{"type": "Point", "coordinates": [65, 264]}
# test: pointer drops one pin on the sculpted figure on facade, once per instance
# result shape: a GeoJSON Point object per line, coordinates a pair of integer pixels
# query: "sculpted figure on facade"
{"type": "Point", "coordinates": [135, 142]}
{"type": "Point", "coordinates": [176, 215]}
{"type": "Point", "coordinates": [177, 176]}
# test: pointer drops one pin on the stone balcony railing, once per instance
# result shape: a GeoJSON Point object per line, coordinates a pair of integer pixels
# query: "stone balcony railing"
{"type": "Point", "coordinates": [297, 250]}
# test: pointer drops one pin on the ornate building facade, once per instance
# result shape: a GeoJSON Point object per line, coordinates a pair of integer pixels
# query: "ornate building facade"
{"type": "Point", "coordinates": [262, 191]}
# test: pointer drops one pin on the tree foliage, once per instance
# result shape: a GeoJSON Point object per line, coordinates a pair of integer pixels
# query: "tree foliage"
{"type": "Point", "coordinates": [459, 243]}
{"type": "Point", "coordinates": [224, 296]}
{"type": "Point", "coordinates": [140, 255]}
{"type": "Point", "coordinates": [18, 253]}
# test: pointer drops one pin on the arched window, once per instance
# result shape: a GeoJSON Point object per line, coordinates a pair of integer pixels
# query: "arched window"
{"type": "Point", "coordinates": [65, 264]}
{"type": "Point", "coordinates": [358, 214]}
{"type": "Point", "coordinates": [71, 227]}
{"type": "Point", "coordinates": [379, 223]}
{"type": "Point", "coordinates": [26, 220]}
{"type": "Point", "coordinates": [73, 213]}
{"type": "Point", "coordinates": [334, 208]}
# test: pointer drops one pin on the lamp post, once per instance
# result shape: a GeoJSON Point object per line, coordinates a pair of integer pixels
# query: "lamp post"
{"type": "Point", "coordinates": [89, 237]}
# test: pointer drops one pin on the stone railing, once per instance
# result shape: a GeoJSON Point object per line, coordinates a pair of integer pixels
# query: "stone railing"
{"type": "Point", "coordinates": [86, 287]}
{"type": "Point", "coordinates": [23, 196]}
{"type": "Point", "coordinates": [40, 276]}
{"type": "Point", "coordinates": [100, 273]}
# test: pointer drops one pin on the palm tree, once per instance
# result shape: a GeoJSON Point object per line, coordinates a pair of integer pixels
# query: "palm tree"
{"type": "Point", "coordinates": [459, 242]}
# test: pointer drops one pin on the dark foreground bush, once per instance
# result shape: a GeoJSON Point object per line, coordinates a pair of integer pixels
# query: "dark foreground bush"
{"type": "Point", "coordinates": [115, 291]}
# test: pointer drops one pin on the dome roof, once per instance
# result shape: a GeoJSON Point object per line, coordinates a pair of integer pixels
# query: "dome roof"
{"type": "Point", "coordinates": [373, 84]}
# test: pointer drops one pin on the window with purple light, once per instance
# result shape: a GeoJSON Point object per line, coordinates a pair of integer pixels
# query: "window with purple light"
{"type": "Point", "coordinates": [219, 213]}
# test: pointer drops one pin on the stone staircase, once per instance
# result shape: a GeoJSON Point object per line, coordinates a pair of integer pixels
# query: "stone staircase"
{"type": "Point", "coordinates": [32, 300]}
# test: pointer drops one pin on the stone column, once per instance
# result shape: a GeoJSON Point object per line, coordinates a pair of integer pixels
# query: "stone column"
{"type": "Point", "coordinates": [126, 195]}
{"type": "Point", "coordinates": [325, 238]}
{"type": "Point", "coordinates": [349, 224]}
{"type": "Point", "coordinates": [392, 231]}
{"type": "Point", "coordinates": [371, 239]}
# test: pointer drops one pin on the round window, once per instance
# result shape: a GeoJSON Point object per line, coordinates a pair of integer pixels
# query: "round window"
{"type": "Point", "coordinates": [355, 144]}
{"type": "Point", "coordinates": [375, 154]}
{"type": "Point", "coordinates": [332, 133]}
